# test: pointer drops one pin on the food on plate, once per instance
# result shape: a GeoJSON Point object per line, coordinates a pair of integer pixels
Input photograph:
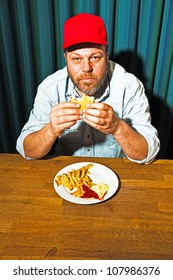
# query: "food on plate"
{"type": "Point", "coordinates": [75, 178]}
{"type": "Point", "coordinates": [83, 101]}
{"type": "Point", "coordinates": [97, 191]}
{"type": "Point", "coordinates": [88, 193]}
{"type": "Point", "coordinates": [79, 183]}
{"type": "Point", "coordinates": [100, 189]}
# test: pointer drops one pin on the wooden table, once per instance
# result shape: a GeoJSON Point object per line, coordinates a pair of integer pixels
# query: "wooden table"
{"type": "Point", "coordinates": [35, 223]}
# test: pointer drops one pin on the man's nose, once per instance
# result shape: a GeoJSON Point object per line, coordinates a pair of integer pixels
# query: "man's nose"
{"type": "Point", "coordinates": [87, 65]}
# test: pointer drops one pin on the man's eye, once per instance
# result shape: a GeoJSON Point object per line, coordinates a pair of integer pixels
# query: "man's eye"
{"type": "Point", "coordinates": [95, 58]}
{"type": "Point", "coordinates": [76, 59]}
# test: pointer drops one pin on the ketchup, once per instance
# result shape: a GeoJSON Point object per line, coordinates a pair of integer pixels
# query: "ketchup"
{"type": "Point", "coordinates": [88, 193]}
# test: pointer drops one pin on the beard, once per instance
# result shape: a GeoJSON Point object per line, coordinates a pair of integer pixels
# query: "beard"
{"type": "Point", "coordinates": [92, 85]}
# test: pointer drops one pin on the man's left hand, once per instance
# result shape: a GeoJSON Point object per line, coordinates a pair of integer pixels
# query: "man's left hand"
{"type": "Point", "coordinates": [102, 117]}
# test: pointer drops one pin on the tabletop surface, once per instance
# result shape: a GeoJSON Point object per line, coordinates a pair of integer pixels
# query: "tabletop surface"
{"type": "Point", "coordinates": [37, 224]}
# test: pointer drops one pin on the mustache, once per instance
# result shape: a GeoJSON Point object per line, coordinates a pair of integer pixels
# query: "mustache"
{"type": "Point", "coordinates": [86, 76]}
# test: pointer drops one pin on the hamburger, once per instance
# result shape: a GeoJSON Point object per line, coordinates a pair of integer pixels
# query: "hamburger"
{"type": "Point", "coordinates": [83, 101]}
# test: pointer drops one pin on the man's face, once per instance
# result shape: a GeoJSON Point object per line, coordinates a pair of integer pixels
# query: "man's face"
{"type": "Point", "coordinates": [87, 67]}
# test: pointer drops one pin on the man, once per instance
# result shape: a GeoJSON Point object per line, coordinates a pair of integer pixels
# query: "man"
{"type": "Point", "coordinates": [117, 124]}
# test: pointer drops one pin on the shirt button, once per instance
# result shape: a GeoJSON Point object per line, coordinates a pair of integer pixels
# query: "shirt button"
{"type": "Point", "coordinates": [88, 150]}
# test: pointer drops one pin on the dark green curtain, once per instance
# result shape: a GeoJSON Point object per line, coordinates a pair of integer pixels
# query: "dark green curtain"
{"type": "Point", "coordinates": [140, 34]}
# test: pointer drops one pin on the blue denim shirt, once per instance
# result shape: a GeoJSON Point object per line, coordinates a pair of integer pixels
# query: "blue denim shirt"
{"type": "Point", "coordinates": [125, 93]}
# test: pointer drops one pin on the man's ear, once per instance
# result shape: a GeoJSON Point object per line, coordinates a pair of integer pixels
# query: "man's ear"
{"type": "Point", "coordinates": [65, 56]}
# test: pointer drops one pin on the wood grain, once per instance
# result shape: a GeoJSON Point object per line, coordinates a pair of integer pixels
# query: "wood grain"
{"type": "Point", "coordinates": [35, 223]}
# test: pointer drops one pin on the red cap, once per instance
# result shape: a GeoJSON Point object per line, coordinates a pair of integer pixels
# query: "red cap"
{"type": "Point", "coordinates": [84, 28]}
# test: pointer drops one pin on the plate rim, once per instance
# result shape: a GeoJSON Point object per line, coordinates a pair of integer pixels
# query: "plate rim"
{"type": "Point", "coordinates": [78, 200]}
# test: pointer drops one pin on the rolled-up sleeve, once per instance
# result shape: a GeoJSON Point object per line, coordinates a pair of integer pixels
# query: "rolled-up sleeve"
{"type": "Point", "coordinates": [137, 115]}
{"type": "Point", "coordinates": [39, 116]}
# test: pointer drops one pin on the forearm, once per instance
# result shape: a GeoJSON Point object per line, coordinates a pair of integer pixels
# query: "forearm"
{"type": "Point", "coordinates": [133, 144]}
{"type": "Point", "coordinates": [38, 144]}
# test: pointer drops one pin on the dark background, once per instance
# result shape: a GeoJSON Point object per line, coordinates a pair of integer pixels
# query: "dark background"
{"type": "Point", "coordinates": [31, 35]}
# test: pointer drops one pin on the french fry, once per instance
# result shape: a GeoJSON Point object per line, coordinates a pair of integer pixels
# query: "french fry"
{"type": "Point", "coordinates": [75, 179]}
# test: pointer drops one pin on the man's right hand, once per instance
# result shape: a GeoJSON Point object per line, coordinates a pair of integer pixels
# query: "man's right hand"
{"type": "Point", "coordinates": [63, 116]}
{"type": "Point", "coordinates": [37, 144]}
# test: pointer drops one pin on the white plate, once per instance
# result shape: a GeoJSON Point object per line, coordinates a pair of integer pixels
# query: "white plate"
{"type": "Point", "coordinates": [99, 174]}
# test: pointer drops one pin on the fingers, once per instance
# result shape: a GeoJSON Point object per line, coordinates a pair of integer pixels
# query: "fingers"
{"type": "Point", "coordinates": [63, 116]}
{"type": "Point", "coordinates": [100, 116]}
{"type": "Point", "coordinates": [97, 110]}
{"type": "Point", "coordinates": [66, 107]}
{"type": "Point", "coordinates": [99, 106]}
